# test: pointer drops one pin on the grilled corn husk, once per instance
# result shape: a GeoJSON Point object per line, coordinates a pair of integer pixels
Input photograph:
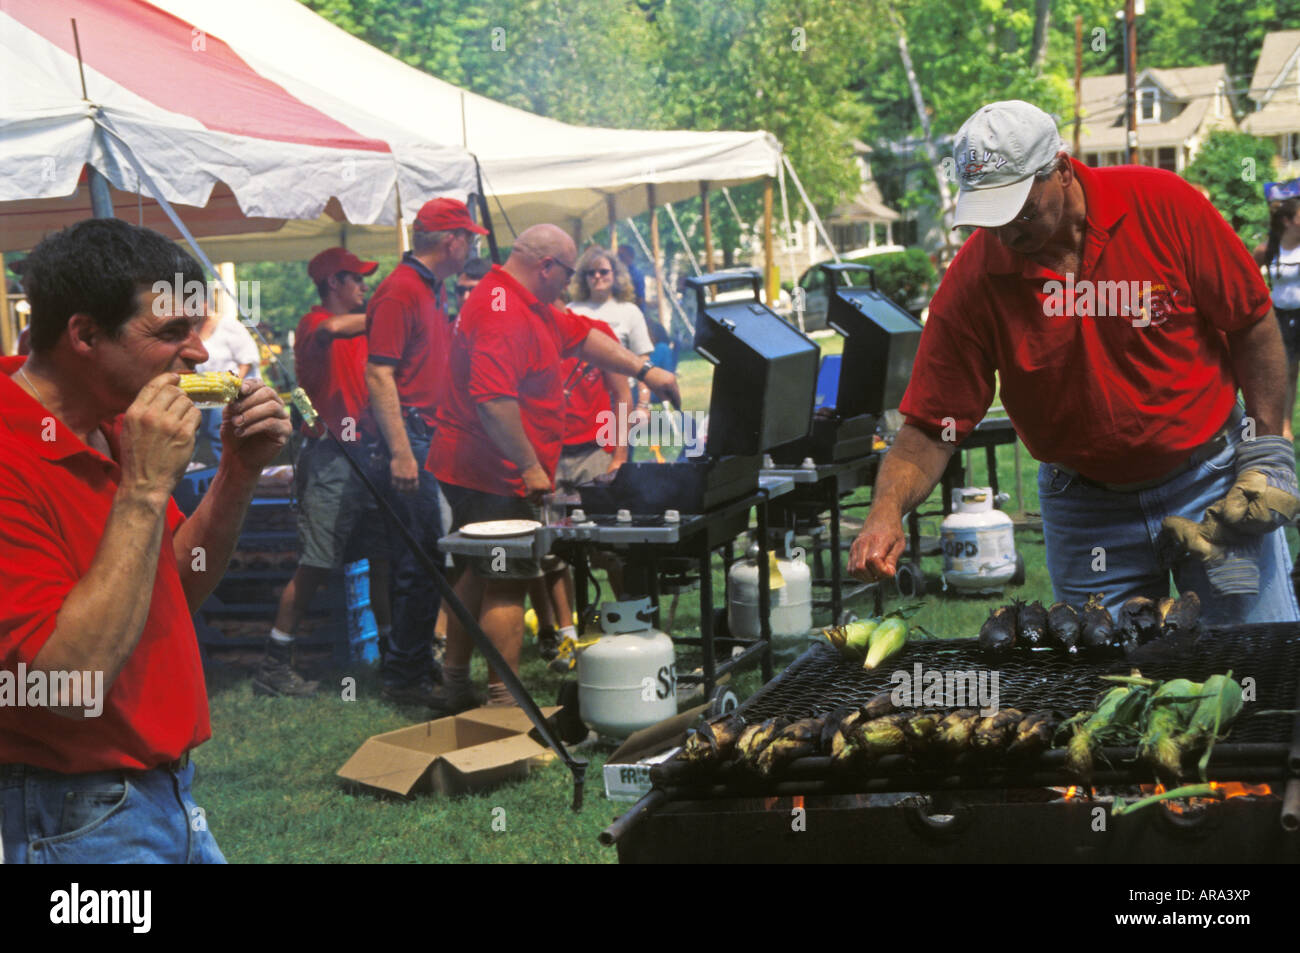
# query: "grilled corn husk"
{"type": "Point", "coordinates": [1184, 615]}
{"type": "Point", "coordinates": [956, 730]}
{"type": "Point", "coordinates": [882, 736]}
{"type": "Point", "coordinates": [797, 740]}
{"type": "Point", "coordinates": [1098, 630]}
{"type": "Point", "coordinates": [1063, 625]}
{"type": "Point", "coordinates": [998, 633]}
{"type": "Point", "coordinates": [1031, 623]}
{"type": "Point", "coordinates": [1139, 622]}
{"type": "Point", "coordinates": [994, 732]}
{"type": "Point", "coordinates": [210, 388]}
{"type": "Point", "coordinates": [919, 730]}
{"type": "Point", "coordinates": [1033, 734]}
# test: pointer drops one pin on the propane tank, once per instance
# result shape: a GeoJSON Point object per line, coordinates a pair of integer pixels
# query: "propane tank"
{"type": "Point", "coordinates": [627, 680]}
{"type": "Point", "coordinates": [791, 596]}
{"type": "Point", "coordinates": [979, 550]}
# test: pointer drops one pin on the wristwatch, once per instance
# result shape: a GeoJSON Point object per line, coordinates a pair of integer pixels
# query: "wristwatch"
{"type": "Point", "coordinates": [645, 369]}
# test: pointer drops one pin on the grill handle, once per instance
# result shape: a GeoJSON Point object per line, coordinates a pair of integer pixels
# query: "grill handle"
{"type": "Point", "coordinates": [653, 798]}
{"type": "Point", "coordinates": [835, 274]}
{"type": "Point", "coordinates": [701, 284]}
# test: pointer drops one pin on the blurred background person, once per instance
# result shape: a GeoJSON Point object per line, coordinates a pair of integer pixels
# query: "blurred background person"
{"type": "Point", "coordinates": [627, 257]}
{"type": "Point", "coordinates": [602, 289]}
{"type": "Point", "coordinates": [230, 348]}
{"type": "Point", "coordinates": [334, 505]}
{"type": "Point", "coordinates": [1280, 257]}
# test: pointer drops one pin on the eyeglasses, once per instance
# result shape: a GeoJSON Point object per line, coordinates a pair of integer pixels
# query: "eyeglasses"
{"type": "Point", "coordinates": [568, 272]}
{"type": "Point", "coordinates": [596, 272]}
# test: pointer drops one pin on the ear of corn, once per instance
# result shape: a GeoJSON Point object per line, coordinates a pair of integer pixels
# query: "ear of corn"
{"type": "Point", "coordinates": [886, 639]}
{"type": "Point", "coordinates": [216, 388]}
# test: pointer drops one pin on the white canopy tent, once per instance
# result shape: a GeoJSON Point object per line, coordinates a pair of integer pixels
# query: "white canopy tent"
{"type": "Point", "coordinates": [534, 169]}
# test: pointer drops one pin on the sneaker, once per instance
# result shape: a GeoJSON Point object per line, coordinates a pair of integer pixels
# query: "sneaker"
{"type": "Point", "coordinates": [445, 703]}
{"type": "Point", "coordinates": [548, 644]}
{"type": "Point", "coordinates": [566, 659]}
{"type": "Point", "coordinates": [277, 677]}
{"type": "Point", "coordinates": [419, 692]}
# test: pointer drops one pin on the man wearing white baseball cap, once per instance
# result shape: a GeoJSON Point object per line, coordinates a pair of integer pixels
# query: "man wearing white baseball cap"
{"type": "Point", "coordinates": [1120, 314]}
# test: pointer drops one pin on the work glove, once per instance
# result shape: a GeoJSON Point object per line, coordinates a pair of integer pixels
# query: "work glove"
{"type": "Point", "coordinates": [1264, 496]}
{"type": "Point", "coordinates": [1230, 557]}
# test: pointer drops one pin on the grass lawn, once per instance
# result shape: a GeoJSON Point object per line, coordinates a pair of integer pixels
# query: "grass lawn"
{"type": "Point", "coordinates": [266, 779]}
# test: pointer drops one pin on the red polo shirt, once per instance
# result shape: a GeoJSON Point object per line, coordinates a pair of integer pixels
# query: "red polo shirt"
{"type": "Point", "coordinates": [1086, 388]}
{"type": "Point", "coordinates": [332, 370]}
{"type": "Point", "coordinates": [55, 498]}
{"type": "Point", "coordinates": [505, 344]}
{"type": "Point", "coordinates": [407, 328]}
{"type": "Point", "coordinates": [586, 399]}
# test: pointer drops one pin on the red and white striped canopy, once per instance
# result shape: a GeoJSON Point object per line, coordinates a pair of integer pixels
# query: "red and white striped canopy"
{"type": "Point", "coordinates": [214, 132]}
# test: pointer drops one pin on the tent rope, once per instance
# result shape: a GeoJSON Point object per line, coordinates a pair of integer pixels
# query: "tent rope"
{"type": "Point", "coordinates": [663, 287]}
{"type": "Point", "coordinates": [695, 265]}
{"type": "Point", "coordinates": [811, 211]}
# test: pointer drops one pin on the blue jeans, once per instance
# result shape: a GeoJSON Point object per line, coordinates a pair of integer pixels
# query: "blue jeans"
{"type": "Point", "coordinates": [1079, 519]}
{"type": "Point", "coordinates": [210, 427]}
{"type": "Point", "coordinates": [108, 817]}
{"type": "Point", "coordinates": [416, 599]}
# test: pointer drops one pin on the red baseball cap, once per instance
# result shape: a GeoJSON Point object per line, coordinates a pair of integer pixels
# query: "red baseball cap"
{"type": "Point", "coordinates": [333, 260]}
{"type": "Point", "coordinates": [446, 215]}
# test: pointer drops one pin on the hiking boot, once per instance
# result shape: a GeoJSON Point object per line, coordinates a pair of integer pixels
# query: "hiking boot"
{"type": "Point", "coordinates": [419, 692]}
{"type": "Point", "coordinates": [548, 644]}
{"type": "Point", "coordinates": [451, 702]}
{"type": "Point", "coordinates": [276, 675]}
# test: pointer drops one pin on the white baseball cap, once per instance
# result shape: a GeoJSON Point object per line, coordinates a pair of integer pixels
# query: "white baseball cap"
{"type": "Point", "coordinates": [997, 152]}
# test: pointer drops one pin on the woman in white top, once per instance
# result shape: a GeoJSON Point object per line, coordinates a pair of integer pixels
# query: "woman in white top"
{"type": "Point", "coordinates": [602, 289]}
{"type": "Point", "coordinates": [1280, 257]}
{"type": "Point", "coordinates": [230, 348]}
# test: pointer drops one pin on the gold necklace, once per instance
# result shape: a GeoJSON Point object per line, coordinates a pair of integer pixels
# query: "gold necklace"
{"type": "Point", "coordinates": [35, 393]}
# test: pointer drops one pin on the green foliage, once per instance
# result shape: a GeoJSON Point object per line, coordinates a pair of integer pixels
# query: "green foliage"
{"type": "Point", "coordinates": [1233, 165]}
{"type": "Point", "coordinates": [904, 276]}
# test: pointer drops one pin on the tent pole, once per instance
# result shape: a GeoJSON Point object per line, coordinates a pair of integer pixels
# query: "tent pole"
{"type": "Point", "coordinates": [8, 344]}
{"type": "Point", "coordinates": [769, 261]}
{"type": "Point", "coordinates": [708, 227]}
{"type": "Point", "coordinates": [577, 234]}
{"type": "Point", "coordinates": [613, 223]}
{"type": "Point", "coordinates": [660, 303]}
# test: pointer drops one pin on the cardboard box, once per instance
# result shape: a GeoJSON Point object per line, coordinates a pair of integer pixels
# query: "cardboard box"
{"type": "Point", "coordinates": [454, 755]}
{"type": "Point", "coordinates": [627, 772]}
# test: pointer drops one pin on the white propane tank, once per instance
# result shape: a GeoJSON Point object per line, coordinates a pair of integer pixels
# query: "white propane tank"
{"type": "Point", "coordinates": [627, 680]}
{"type": "Point", "coordinates": [979, 550]}
{"type": "Point", "coordinates": [791, 598]}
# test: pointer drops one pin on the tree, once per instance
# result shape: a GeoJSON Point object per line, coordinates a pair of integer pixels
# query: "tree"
{"type": "Point", "coordinates": [1232, 165]}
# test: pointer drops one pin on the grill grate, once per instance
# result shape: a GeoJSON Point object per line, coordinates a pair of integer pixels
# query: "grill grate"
{"type": "Point", "coordinates": [820, 680]}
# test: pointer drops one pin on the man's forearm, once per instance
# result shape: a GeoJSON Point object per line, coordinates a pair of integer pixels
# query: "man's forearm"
{"type": "Point", "coordinates": [1259, 362]}
{"type": "Point", "coordinates": [505, 427]}
{"type": "Point", "coordinates": [103, 615]}
{"type": "Point", "coordinates": [909, 471]}
{"type": "Point", "coordinates": [607, 354]}
{"type": "Point", "coordinates": [387, 409]}
{"type": "Point", "coordinates": [204, 542]}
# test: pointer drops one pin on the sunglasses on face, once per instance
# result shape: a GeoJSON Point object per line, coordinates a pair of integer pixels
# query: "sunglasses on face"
{"type": "Point", "coordinates": [596, 272]}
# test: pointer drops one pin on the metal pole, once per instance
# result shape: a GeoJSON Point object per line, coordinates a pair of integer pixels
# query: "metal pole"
{"type": "Point", "coordinates": [660, 289]}
{"type": "Point", "coordinates": [708, 227]}
{"type": "Point", "coordinates": [613, 223]}
{"type": "Point", "coordinates": [769, 259]}
{"type": "Point", "coordinates": [1130, 72]}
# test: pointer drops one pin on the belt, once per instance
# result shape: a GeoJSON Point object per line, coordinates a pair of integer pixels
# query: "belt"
{"type": "Point", "coordinates": [14, 770]}
{"type": "Point", "coordinates": [1211, 448]}
{"type": "Point", "coordinates": [580, 448]}
{"type": "Point", "coordinates": [180, 764]}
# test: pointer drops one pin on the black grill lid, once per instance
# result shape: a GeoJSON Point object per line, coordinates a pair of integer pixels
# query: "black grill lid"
{"type": "Point", "coordinates": [880, 343]}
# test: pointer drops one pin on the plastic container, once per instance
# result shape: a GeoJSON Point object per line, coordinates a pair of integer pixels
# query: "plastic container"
{"type": "Point", "coordinates": [363, 631]}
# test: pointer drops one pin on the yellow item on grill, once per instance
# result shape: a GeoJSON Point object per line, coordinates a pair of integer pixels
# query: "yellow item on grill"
{"type": "Point", "coordinates": [213, 389]}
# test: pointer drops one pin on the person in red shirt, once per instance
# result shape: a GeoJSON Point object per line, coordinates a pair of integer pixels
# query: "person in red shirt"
{"type": "Point", "coordinates": [407, 334]}
{"type": "Point", "coordinates": [590, 396]}
{"type": "Point", "coordinates": [329, 356]}
{"type": "Point", "coordinates": [1120, 313]}
{"type": "Point", "coordinates": [102, 573]}
{"type": "Point", "coordinates": [501, 424]}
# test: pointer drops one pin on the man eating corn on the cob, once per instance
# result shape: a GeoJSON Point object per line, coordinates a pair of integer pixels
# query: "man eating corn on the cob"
{"type": "Point", "coordinates": [103, 573]}
{"type": "Point", "coordinates": [1126, 391]}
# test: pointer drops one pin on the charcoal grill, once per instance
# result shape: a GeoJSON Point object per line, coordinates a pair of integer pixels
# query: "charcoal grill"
{"type": "Point", "coordinates": [972, 809]}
